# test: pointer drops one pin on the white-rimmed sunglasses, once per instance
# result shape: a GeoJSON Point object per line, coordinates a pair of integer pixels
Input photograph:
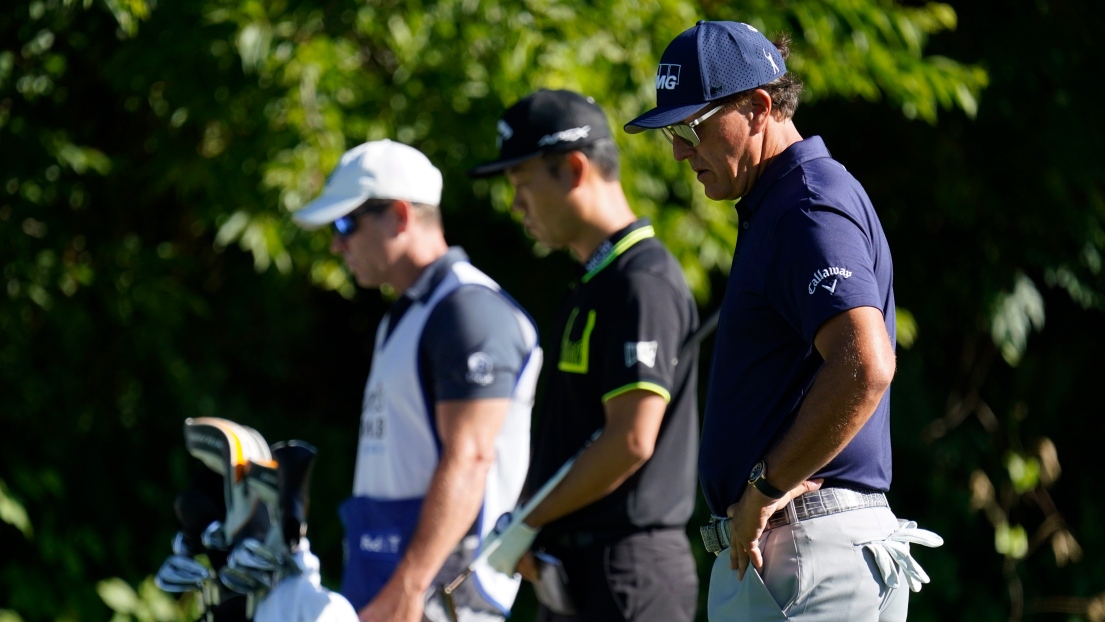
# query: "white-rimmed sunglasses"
{"type": "Point", "coordinates": [686, 130]}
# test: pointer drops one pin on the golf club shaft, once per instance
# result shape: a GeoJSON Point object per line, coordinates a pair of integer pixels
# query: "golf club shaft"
{"type": "Point", "coordinates": [524, 511]}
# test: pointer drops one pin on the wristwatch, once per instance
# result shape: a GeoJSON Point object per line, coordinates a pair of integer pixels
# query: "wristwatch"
{"type": "Point", "coordinates": [758, 478]}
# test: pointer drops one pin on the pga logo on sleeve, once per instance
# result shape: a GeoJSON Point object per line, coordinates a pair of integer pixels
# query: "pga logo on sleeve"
{"type": "Point", "coordinates": [667, 77]}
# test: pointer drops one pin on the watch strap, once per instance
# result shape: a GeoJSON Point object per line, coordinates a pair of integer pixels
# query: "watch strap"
{"type": "Point", "coordinates": [768, 490]}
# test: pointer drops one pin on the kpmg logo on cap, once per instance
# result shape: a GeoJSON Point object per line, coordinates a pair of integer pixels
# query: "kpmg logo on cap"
{"type": "Point", "coordinates": [667, 77]}
{"type": "Point", "coordinates": [565, 136]}
{"type": "Point", "coordinates": [505, 132]}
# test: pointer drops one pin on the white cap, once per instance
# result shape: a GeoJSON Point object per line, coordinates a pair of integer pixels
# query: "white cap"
{"type": "Point", "coordinates": [381, 169]}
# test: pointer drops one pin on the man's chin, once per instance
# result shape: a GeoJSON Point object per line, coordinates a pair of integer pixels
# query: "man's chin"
{"type": "Point", "coordinates": [537, 237]}
{"type": "Point", "coordinates": [711, 193]}
{"type": "Point", "coordinates": [715, 193]}
{"type": "Point", "coordinates": [366, 283]}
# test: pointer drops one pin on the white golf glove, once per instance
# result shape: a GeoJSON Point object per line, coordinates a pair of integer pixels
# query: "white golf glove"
{"type": "Point", "coordinates": [513, 542]}
{"type": "Point", "coordinates": [894, 560]}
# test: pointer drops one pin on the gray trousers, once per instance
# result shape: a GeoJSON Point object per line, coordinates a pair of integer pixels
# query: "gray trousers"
{"type": "Point", "coordinates": [817, 570]}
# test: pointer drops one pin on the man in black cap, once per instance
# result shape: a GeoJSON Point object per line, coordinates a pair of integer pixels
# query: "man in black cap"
{"type": "Point", "coordinates": [795, 457]}
{"type": "Point", "coordinates": [617, 519]}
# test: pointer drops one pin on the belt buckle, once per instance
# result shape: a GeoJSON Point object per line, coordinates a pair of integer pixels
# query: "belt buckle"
{"type": "Point", "coordinates": [712, 537]}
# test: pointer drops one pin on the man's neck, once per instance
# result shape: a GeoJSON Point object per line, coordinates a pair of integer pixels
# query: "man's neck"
{"type": "Point", "coordinates": [605, 211]}
{"type": "Point", "coordinates": [778, 137]}
{"type": "Point", "coordinates": [423, 250]}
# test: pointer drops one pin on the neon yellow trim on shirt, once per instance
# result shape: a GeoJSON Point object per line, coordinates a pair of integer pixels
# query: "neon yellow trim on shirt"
{"type": "Point", "coordinates": [619, 248]}
{"type": "Point", "coordinates": [647, 386]}
{"type": "Point", "coordinates": [574, 354]}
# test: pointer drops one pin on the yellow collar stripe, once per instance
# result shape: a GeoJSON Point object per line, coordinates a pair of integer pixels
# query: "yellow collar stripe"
{"type": "Point", "coordinates": [619, 248]}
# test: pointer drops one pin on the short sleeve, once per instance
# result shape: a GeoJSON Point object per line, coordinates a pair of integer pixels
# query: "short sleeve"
{"type": "Point", "coordinates": [640, 337]}
{"type": "Point", "coordinates": [473, 345]}
{"type": "Point", "coordinates": [824, 265]}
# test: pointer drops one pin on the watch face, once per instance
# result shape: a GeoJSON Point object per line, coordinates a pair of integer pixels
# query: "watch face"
{"type": "Point", "coordinates": [757, 472]}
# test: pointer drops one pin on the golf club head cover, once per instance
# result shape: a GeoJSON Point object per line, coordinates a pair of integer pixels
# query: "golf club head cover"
{"type": "Point", "coordinates": [198, 507]}
{"type": "Point", "coordinates": [264, 479]}
{"type": "Point", "coordinates": [295, 460]}
{"type": "Point", "coordinates": [510, 545]}
{"type": "Point", "coordinates": [227, 448]}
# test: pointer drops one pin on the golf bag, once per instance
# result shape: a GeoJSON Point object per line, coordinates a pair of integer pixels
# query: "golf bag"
{"type": "Point", "coordinates": [248, 517]}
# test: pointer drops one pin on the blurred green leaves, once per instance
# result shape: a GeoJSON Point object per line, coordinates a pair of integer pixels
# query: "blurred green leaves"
{"type": "Point", "coordinates": [1016, 314]}
{"type": "Point", "coordinates": [128, 13]}
{"type": "Point", "coordinates": [1011, 540]}
{"type": "Point", "coordinates": [873, 50]}
{"type": "Point", "coordinates": [1024, 471]}
{"type": "Point", "coordinates": [153, 153]}
{"type": "Point", "coordinates": [438, 75]}
{"type": "Point", "coordinates": [907, 327]}
{"type": "Point", "coordinates": [147, 604]}
{"type": "Point", "coordinates": [12, 512]}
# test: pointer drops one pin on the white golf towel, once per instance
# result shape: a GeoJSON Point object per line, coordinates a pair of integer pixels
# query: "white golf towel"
{"type": "Point", "coordinates": [302, 598]}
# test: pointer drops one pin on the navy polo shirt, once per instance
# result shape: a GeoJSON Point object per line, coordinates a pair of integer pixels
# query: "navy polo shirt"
{"type": "Point", "coordinates": [810, 247]}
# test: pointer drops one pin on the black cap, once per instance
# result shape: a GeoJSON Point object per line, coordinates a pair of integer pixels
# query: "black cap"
{"type": "Point", "coordinates": [547, 121]}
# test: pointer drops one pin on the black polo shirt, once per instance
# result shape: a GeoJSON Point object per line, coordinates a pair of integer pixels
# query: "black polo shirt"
{"type": "Point", "coordinates": [621, 328]}
{"type": "Point", "coordinates": [810, 247]}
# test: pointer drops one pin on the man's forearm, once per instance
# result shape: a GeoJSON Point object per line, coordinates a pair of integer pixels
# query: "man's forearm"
{"type": "Point", "coordinates": [450, 507]}
{"type": "Point", "coordinates": [627, 442]}
{"type": "Point", "coordinates": [832, 414]}
{"type": "Point", "coordinates": [598, 471]}
{"type": "Point", "coordinates": [859, 366]}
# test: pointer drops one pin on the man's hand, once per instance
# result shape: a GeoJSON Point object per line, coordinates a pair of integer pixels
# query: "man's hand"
{"type": "Point", "coordinates": [395, 603]}
{"type": "Point", "coordinates": [527, 567]}
{"type": "Point", "coordinates": [749, 519]}
{"type": "Point", "coordinates": [510, 546]}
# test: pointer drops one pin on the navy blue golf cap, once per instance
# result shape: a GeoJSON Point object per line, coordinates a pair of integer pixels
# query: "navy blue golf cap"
{"type": "Point", "coordinates": [705, 63]}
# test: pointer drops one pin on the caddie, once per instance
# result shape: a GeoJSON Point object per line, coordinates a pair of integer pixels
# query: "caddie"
{"type": "Point", "coordinates": [795, 459]}
{"type": "Point", "coordinates": [444, 432]}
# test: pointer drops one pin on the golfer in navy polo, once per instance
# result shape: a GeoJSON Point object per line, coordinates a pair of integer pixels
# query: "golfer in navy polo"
{"type": "Point", "coordinates": [795, 454]}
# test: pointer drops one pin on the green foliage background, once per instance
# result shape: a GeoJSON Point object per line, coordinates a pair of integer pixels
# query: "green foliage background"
{"type": "Point", "coordinates": [150, 154]}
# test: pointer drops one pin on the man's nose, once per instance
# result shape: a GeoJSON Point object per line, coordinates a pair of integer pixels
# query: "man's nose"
{"type": "Point", "coordinates": [337, 244]}
{"type": "Point", "coordinates": [680, 149]}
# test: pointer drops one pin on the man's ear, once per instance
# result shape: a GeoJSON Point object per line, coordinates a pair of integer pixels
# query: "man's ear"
{"type": "Point", "coordinates": [401, 214]}
{"type": "Point", "coordinates": [574, 167]}
{"type": "Point", "coordinates": [759, 104]}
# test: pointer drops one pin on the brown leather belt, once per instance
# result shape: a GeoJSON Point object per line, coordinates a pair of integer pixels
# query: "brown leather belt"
{"type": "Point", "coordinates": [822, 502]}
